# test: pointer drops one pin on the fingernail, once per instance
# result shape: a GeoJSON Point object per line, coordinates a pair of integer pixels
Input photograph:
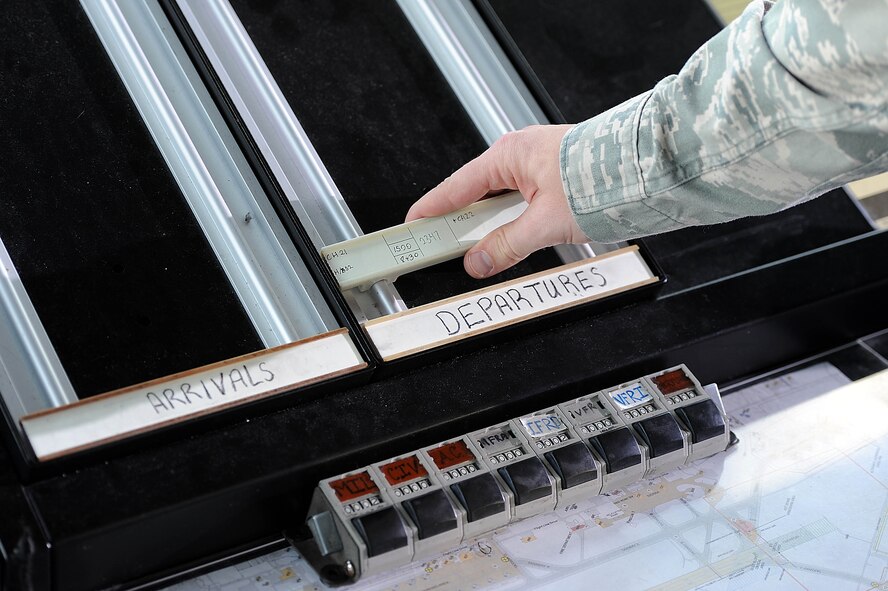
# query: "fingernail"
{"type": "Point", "coordinates": [480, 263]}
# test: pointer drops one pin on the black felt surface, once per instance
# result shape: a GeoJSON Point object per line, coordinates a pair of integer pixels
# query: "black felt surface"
{"type": "Point", "coordinates": [379, 113]}
{"type": "Point", "coordinates": [693, 256]}
{"type": "Point", "coordinates": [108, 250]}
{"type": "Point", "coordinates": [590, 56]}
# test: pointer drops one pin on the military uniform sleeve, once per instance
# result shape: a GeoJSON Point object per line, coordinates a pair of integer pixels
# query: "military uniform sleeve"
{"type": "Point", "coordinates": [787, 102]}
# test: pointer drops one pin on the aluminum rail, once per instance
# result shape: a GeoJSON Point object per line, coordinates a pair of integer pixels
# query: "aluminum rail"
{"type": "Point", "coordinates": [280, 137]}
{"type": "Point", "coordinates": [31, 376]}
{"type": "Point", "coordinates": [483, 78]}
{"type": "Point", "coordinates": [261, 262]}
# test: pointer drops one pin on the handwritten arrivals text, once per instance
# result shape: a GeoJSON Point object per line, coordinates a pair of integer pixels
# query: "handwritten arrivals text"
{"type": "Point", "coordinates": [228, 381]}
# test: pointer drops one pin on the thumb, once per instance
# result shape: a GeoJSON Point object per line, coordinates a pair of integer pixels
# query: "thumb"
{"type": "Point", "coordinates": [506, 245]}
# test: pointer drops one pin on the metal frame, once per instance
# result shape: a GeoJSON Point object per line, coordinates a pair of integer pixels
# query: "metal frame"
{"type": "Point", "coordinates": [260, 260]}
{"type": "Point", "coordinates": [483, 78]}
{"type": "Point", "coordinates": [31, 376]}
{"type": "Point", "coordinates": [280, 138]}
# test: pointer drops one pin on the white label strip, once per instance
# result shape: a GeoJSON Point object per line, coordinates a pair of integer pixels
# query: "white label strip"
{"type": "Point", "coordinates": [542, 425]}
{"type": "Point", "coordinates": [630, 396]}
{"type": "Point", "coordinates": [486, 309]}
{"type": "Point", "coordinates": [131, 410]}
{"type": "Point", "coordinates": [388, 254]}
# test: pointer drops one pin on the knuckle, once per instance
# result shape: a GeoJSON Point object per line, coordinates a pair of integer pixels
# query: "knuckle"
{"type": "Point", "coordinates": [506, 142]}
{"type": "Point", "coordinates": [504, 246]}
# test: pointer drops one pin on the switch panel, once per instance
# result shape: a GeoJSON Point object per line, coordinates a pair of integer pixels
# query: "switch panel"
{"type": "Point", "coordinates": [623, 461]}
{"type": "Point", "coordinates": [528, 480]}
{"type": "Point", "coordinates": [637, 405]}
{"type": "Point", "coordinates": [575, 469]}
{"type": "Point", "coordinates": [507, 444]}
{"type": "Point", "coordinates": [619, 449]}
{"type": "Point", "coordinates": [432, 513]}
{"type": "Point", "coordinates": [479, 500]}
{"type": "Point", "coordinates": [573, 464]}
{"type": "Point", "coordinates": [704, 419]}
{"type": "Point", "coordinates": [661, 434]}
{"type": "Point", "coordinates": [699, 413]}
{"type": "Point", "coordinates": [481, 496]}
{"type": "Point", "coordinates": [383, 531]}
{"type": "Point", "coordinates": [414, 487]}
{"type": "Point", "coordinates": [425, 502]}
{"type": "Point", "coordinates": [367, 525]}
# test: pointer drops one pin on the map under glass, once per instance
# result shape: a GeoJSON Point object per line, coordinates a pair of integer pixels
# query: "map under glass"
{"type": "Point", "coordinates": [800, 503]}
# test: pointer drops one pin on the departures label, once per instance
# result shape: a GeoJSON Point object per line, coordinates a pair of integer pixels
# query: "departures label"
{"type": "Point", "coordinates": [509, 302]}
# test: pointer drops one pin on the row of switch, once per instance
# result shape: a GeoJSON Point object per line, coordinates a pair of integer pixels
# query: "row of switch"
{"type": "Point", "coordinates": [438, 496]}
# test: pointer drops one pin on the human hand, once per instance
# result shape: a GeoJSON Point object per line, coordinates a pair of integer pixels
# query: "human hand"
{"type": "Point", "coordinates": [526, 160]}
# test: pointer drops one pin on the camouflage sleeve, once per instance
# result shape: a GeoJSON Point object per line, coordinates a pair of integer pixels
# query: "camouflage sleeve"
{"type": "Point", "coordinates": [787, 102]}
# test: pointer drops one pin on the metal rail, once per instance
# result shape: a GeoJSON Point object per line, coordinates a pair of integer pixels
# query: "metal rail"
{"type": "Point", "coordinates": [483, 78]}
{"type": "Point", "coordinates": [280, 137]}
{"type": "Point", "coordinates": [31, 376]}
{"type": "Point", "coordinates": [234, 213]}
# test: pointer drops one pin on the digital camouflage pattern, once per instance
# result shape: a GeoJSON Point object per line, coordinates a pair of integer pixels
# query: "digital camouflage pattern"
{"type": "Point", "coordinates": [787, 102]}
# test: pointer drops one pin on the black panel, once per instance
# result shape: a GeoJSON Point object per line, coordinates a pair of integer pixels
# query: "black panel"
{"type": "Point", "coordinates": [432, 513]}
{"type": "Point", "coordinates": [381, 116]}
{"type": "Point", "coordinates": [856, 362]}
{"type": "Point", "coordinates": [481, 496]}
{"type": "Point", "coordinates": [574, 464]}
{"type": "Point", "coordinates": [618, 448]}
{"type": "Point", "coordinates": [590, 56]}
{"type": "Point", "coordinates": [661, 434]}
{"type": "Point", "coordinates": [704, 419]}
{"type": "Point", "coordinates": [693, 256]}
{"type": "Point", "coordinates": [528, 479]}
{"type": "Point", "coordinates": [382, 531]}
{"type": "Point", "coordinates": [879, 344]}
{"type": "Point", "coordinates": [584, 57]}
{"type": "Point", "coordinates": [106, 246]}
{"type": "Point", "coordinates": [24, 549]}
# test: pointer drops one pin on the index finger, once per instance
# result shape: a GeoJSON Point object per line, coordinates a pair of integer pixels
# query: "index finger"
{"type": "Point", "coordinates": [488, 172]}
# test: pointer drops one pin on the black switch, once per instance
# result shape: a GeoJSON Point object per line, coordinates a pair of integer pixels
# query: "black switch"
{"type": "Point", "coordinates": [432, 513]}
{"type": "Point", "coordinates": [661, 434]}
{"type": "Point", "coordinates": [704, 419]}
{"type": "Point", "coordinates": [528, 479]}
{"type": "Point", "coordinates": [480, 495]}
{"type": "Point", "coordinates": [573, 463]}
{"type": "Point", "coordinates": [382, 531]}
{"type": "Point", "coordinates": [618, 448]}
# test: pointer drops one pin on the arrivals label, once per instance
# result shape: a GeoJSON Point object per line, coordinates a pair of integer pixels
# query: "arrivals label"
{"type": "Point", "coordinates": [153, 404]}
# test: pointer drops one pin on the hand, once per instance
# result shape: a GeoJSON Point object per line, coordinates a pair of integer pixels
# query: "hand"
{"type": "Point", "coordinates": [526, 160]}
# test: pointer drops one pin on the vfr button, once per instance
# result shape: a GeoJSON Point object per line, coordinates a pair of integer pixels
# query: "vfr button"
{"type": "Point", "coordinates": [618, 448]}
{"type": "Point", "coordinates": [432, 513]}
{"type": "Point", "coordinates": [704, 419]}
{"type": "Point", "coordinates": [573, 463]}
{"type": "Point", "coordinates": [382, 531]}
{"type": "Point", "coordinates": [481, 496]}
{"type": "Point", "coordinates": [661, 434]}
{"type": "Point", "coordinates": [528, 479]}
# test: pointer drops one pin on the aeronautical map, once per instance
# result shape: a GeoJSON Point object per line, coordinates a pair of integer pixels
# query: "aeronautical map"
{"type": "Point", "coordinates": [800, 503]}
